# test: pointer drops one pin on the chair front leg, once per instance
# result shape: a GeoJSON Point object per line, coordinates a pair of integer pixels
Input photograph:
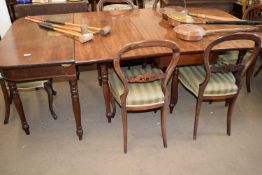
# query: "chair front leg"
{"type": "Point", "coordinates": [6, 100]}
{"type": "Point", "coordinates": [124, 123]}
{"type": "Point", "coordinates": [49, 91]}
{"type": "Point", "coordinates": [197, 112]}
{"type": "Point", "coordinates": [163, 124]}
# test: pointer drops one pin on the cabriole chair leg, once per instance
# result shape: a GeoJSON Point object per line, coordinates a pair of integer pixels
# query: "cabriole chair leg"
{"type": "Point", "coordinates": [49, 90]}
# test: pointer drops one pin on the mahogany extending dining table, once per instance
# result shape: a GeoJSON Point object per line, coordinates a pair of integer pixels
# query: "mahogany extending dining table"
{"type": "Point", "coordinates": [30, 53]}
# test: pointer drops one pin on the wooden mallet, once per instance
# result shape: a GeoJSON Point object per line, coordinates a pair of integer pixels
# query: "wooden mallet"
{"type": "Point", "coordinates": [82, 37]}
{"type": "Point", "coordinates": [102, 31]}
{"type": "Point", "coordinates": [39, 20]}
{"type": "Point", "coordinates": [59, 24]}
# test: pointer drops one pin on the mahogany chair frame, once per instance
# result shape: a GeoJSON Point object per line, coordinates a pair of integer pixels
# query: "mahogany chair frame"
{"type": "Point", "coordinates": [163, 77]}
{"type": "Point", "coordinates": [239, 70]}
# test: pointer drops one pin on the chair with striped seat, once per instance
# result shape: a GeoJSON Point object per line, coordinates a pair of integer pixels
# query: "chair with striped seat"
{"type": "Point", "coordinates": [33, 85]}
{"type": "Point", "coordinates": [217, 81]}
{"type": "Point", "coordinates": [254, 13]}
{"type": "Point", "coordinates": [141, 89]}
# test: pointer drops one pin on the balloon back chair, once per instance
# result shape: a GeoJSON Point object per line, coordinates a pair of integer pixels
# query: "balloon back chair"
{"type": "Point", "coordinates": [108, 5]}
{"type": "Point", "coordinates": [142, 88]}
{"type": "Point", "coordinates": [218, 81]}
{"type": "Point", "coordinates": [253, 13]}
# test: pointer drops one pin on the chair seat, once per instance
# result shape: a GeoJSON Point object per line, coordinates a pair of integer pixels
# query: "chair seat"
{"type": "Point", "coordinates": [117, 7]}
{"type": "Point", "coordinates": [139, 94]}
{"type": "Point", "coordinates": [230, 57]}
{"type": "Point", "coordinates": [220, 84]}
{"type": "Point", "coordinates": [29, 85]}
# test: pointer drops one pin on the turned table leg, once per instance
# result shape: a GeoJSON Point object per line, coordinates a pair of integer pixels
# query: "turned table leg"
{"type": "Point", "coordinates": [19, 106]}
{"type": "Point", "coordinates": [76, 107]}
{"type": "Point", "coordinates": [106, 91]}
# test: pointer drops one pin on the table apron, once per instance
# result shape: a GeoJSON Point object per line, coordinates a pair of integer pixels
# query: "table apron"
{"type": "Point", "coordinates": [38, 73]}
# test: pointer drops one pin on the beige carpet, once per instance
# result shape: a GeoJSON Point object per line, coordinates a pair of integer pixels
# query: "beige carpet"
{"type": "Point", "coordinates": [53, 147]}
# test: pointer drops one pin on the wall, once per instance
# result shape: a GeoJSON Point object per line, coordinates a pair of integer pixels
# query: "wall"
{"type": "Point", "coordinates": [4, 18]}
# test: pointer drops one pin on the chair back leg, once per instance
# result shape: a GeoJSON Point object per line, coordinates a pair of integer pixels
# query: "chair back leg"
{"type": "Point", "coordinates": [249, 74]}
{"type": "Point", "coordinates": [258, 70]}
{"type": "Point", "coordinates": [174, 91]}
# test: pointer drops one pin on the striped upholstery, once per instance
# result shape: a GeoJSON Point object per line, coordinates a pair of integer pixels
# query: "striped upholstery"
{"type": "Point", "coordinates": [31, 85]}
{"type": "Point", "coordinates": [230, 57]}
{"type": "Point", "coordinates": [117, 7]}
{"type": "Point", "coordinates": [219, 84]}
{"type": "Point", "coordinates": [140, 94]}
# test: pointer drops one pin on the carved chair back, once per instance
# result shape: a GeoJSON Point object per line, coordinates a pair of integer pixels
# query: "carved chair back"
{"type": "Point", "coordinates": [147, 77]}
{"type": "Point", "coordinates": [253, 12]}
{"type": "Point", "coordinates": [101, 3]}
{"type": "Point", "coordinates": [239, 69]}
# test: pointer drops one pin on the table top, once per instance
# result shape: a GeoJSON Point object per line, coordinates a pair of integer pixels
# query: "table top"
{"type": "Point", "coordinates": [145, 24]}
{"type": "Point", "coordinates": [127, 26]}
{"type": "Point", "coordinates": [25, 44]}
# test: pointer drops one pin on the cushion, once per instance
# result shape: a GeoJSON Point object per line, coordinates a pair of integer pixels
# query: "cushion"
{"type": "Point", "coordinates": [230, 57]}
{"type": "Point", "coordinates": [117, 7]}
{"type": "Point", "coordinates": [29, 85]}
{"type": "Point", "coordinates": [140, 94]}
{"type": "Point", "coordinates": [219, 84]}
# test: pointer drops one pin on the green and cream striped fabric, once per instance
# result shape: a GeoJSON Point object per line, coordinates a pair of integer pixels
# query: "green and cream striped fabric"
{"type": "Point", "coordinates": [31, 85]}
{"type": "Point", "coordinates": [140, 94]}
{"type": "Point", "coordinates": [219, 84]}
{"type": "Point", "coordinates": [117, 7]}
{"type": "Point", "coordinates": [230, 57]}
